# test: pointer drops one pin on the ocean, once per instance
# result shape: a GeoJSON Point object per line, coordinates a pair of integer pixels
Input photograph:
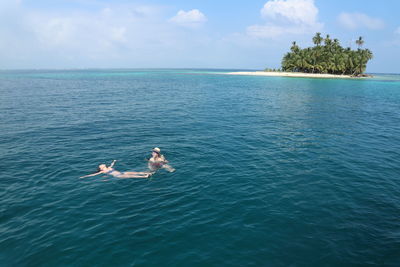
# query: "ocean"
{"type": "Point", "coordinates": [270, 171]}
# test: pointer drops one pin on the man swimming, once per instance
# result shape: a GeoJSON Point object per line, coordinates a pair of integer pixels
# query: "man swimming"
{"type": "Point", "coordinates": [158, 161]}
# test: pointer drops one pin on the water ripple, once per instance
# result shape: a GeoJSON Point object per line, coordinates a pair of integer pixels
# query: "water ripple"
{"type": "Point", "coordinates": [270, 170]}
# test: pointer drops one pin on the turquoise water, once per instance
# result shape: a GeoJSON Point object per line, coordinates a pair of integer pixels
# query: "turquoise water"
{"type": "Point", "coordinates": [271, 171]}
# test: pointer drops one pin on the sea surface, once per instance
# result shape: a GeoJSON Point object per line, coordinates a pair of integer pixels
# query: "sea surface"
{"type": "Point", "coordinates": [270, 171]}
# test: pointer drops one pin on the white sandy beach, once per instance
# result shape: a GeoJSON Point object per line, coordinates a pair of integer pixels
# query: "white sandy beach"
{"type": "Point", "coordinates": [290, 74]}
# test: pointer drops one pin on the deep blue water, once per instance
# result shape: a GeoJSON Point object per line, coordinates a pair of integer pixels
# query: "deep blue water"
{"type": "Point", "coordinates": [271, 171]}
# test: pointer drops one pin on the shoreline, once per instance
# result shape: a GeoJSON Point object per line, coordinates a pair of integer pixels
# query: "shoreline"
{"type": "Point", "coordinates": [293, 74]}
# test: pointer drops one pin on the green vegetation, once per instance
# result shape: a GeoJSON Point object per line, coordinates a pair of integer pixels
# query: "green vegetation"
{"type": "Point", "coordinates": [327, 56]}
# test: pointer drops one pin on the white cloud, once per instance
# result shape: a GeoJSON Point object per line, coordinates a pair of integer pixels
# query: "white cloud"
{"type": "Point", "coordinates": [285, 17]}
{"type": "Point", "coordinates": [93, 34]}
{"type": "Point", "coordinates": [353, 21]}
{"type": "Point", "coordinates": [110, 35]}
{"type": "Point", "coordinates": [295, 11]}
{"type": "Point", "coordinates": [192, 18]}
{"type": "Point", "coordinates": [397, 31]}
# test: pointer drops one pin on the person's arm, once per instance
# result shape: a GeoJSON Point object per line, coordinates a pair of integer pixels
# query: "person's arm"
{"type": "Point", "coordinates": [166, 165]}
{"type": "Point", "coordinates": [89, 175]}
{"type": "Point", "coordinates": [112, 163]}
{"type": "Point", "coordinates": [164, 160]}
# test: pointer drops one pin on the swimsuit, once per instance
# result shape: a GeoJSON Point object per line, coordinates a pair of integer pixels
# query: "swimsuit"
{"type": "Point", "coordinates": [155, 165]}
{"type": "Point", "coordinates": [111, 173]}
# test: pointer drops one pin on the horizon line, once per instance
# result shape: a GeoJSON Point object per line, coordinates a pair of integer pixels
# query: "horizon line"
{"type": "Point", "coordinates": [149, 68]}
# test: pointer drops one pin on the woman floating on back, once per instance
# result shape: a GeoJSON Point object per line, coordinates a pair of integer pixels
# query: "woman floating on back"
{"type": "Point", "coordinates": [103, 169]}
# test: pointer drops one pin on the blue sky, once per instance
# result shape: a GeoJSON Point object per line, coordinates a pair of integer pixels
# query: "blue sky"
{"type": "Point", "coordinates": [188, 34]}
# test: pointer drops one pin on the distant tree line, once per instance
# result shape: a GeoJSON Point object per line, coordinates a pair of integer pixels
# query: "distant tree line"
{"type": "Point", "coordinates": [327, 56]}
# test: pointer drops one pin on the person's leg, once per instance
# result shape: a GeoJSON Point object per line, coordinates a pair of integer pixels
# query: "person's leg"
{"type": "Point", "coordinates": [127, 175]}
{"type": "Point", "coordinates": [134, 173]}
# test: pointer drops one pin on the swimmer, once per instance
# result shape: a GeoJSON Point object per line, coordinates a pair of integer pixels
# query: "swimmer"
{"type": "Point", "coordinates": [158, 161]}
{"type": "Point", "coordinates": [103, 169]}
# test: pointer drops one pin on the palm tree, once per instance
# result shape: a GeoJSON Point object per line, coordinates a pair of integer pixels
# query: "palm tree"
{"type": "Point", "coordinates": [365, 56]}
{"type": "Point", "coordinates": [362, 57]}
{"type": "Point", "coordinates": [360, 42]}
{"type": "Point", "coordinates": [295, 48]}
{"type": "Point", "coordinates": [338, 63]}
{"type": "Point", "coordinates": [302, 61]}
{"type": "Point", "coordinates": [327, 40]}
{"type": "Point", "coordinates": [329, 58]}
{"type": "Point", "coordinates": [368, 54]}
{"type": "Point", "coordinates": [336, 44]}
{"type": "Point", "coordinates": [288, 62]}
{"type": "Point", "coordinates": [317, 39]}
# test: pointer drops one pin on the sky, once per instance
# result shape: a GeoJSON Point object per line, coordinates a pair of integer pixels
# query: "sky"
{"type": "Point", "coordinates": [253, 34]}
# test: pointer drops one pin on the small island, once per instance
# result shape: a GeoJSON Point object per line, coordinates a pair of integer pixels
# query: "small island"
{"type": "Point", "coordinates": [327, 59]}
